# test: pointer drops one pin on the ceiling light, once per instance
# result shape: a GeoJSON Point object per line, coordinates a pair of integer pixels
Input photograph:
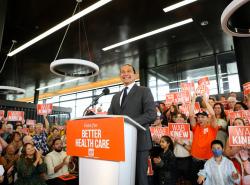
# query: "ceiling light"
{"type": "Point", "coordinates": [11, 90]}
{"type": "Point", "coordinates": [60, 25]}
{"type": "Point", "coordinates": [169, 27]}
{"type": "Point", "coordinates": [204, 23]}
{"type": "Point", "coordinates": [226, 15]}
{"type": "Point", "coordinates": [58, 84]}
{"type": "Point", "coordinates": [178, 5]}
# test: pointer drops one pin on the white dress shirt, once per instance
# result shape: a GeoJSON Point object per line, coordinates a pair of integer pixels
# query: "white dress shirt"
{"type": "Point", "coordinates": [52, 160]}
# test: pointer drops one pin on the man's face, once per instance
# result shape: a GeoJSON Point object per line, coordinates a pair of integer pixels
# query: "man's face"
{"type": "Point", "coordinates": [202, 119]}
{"type": "Point", "coordinates": [127, 74]}
{"type": "Point", "coordinates": [58, 145]}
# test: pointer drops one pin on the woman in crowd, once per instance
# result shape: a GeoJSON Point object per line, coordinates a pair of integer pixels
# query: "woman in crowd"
{"type": "Point", "coordinates": [166, 163]}
{"type": "Point", "coordinates": [182, 150]}
{"type": "Point", "coordinates": [222, 123]}
{"type": "Point", "coordinates": [240, 156]}
{"type": "Point", "coordinates": [53, 135]}
{"type": "Point", "coordinates": [3, 144]}
{"type": "Point", "coordinates": [9, 161]}
{"type": "Point", "coordinates": [172, 111]}
{"type": "Point", "coordinates": [240, 106]}
{"type": "Point", "coordinates": [16, 141]}
{"type": "Point", "coordinates": [30, 167]}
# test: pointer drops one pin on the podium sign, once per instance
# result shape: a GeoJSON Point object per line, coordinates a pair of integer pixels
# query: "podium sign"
{"type": "Point", "coordinates": [95, 138]}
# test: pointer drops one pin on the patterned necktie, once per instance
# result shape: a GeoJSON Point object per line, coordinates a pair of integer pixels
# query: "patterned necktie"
{"type": "Point", "coordinates": [125, 93]}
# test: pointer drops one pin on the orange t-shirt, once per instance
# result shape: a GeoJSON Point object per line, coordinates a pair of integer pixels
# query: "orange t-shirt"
{"type": "Point", "coordinates": [202, 138]}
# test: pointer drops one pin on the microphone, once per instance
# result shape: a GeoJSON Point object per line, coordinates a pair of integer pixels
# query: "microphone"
{"type": "Point", "coordinates": [105, 91]}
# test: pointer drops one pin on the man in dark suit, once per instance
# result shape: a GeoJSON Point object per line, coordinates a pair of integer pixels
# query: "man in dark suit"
{"type": "Point", "coordinates": [136, 102]}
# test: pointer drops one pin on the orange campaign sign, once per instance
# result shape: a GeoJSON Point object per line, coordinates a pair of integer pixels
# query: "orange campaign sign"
{"type": "Point", "coordinates": [169, 98]}
{"type": "Point", "coordinates": [158, 132]}
{"type": "Point", "coordinates": [101, 138]}
{"type": "Point", "coordinates": [239, 135]}
{"type": "Point", "coordinates": [203, 81]}
{"type": "Point", "coordinates": [44, 109]}
{"type": "Point", "coordinates": [246, 88]}
{"type": "Point", "coordinates": [185, 108]}
{"type": "Point", "coordinates": [179, 130]}
{"type": "Point", "coordinates": [15, 115]}
{"type": "Point", "coordinates": [187, 87]}
{"type": "Point", "coordinates": [30, 122]}
{"type": "Point", "coordinates": [1, 114]}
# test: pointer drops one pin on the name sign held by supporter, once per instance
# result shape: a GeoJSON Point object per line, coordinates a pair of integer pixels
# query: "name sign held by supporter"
{"type": "Point", "coordinates": [239, 135]}
{"type": "Point", "coordinates": [179, 130]}
{"type": "Point", "coordinates": [203, 88]}
{"type": "Point", "coordinates": [158, 132]}
{"type": "Point", "coordinates": [1, 114]}
{"type": "Point", "coordinates": [15, 115]}
{"type": "Point", "coordinates": [30, 122]}
{"type": "Point", "coordinates": [93, 138]}
{"type": "Point", "coordinates": [246, 88]}
{"type": "Point", "coordinates": [44, 109]}
{"type": "Point", "coordinates": [187, 86]}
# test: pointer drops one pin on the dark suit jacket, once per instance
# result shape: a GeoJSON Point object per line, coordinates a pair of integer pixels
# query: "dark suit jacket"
{"type": "Point", "coordinates": [139, 105]}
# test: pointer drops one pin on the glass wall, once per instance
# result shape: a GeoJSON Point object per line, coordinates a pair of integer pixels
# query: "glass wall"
{"type": "Point", "coordinates": [221, 69]}
{"type": "Point", "coordinates": [79, 101]}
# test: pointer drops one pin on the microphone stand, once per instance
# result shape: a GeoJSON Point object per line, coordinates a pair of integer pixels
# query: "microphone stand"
{"type": "Point", "coordinates": [94, 102]}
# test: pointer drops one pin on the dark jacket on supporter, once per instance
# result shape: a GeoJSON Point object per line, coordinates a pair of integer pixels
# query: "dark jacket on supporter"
{"type": "Point", "coordinates": [166, 169]}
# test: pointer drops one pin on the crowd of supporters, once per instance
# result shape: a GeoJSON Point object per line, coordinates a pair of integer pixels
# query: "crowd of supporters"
{"type": "Point", "coordinates": [35, 155]}
{"type": "Point", "coordinates": [206, 157]}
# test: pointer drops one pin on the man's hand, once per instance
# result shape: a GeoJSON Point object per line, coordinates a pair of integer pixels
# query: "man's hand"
{"type": "Point", "coordinates": [157, 160]}
{"type": "Point", "coordinates": [235, 175]}
{"type": "Point", "coordinates": [201, 180]}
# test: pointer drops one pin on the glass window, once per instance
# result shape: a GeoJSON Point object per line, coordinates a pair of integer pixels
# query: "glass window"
{"type": "Point", "coordinates": [84, 94]}
{"type": "Point", "coordinates": [70, 104]}
{"type": "Point", "coordinates": [228, 73]}
{"type": "Point", "coordinates": [68, 97]}
{"type": "Point", "coordinates": [81, 105]}
{"type": "Point", "coordinates": [53, 99]}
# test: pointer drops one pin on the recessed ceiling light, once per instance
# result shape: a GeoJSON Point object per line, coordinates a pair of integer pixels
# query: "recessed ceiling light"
{"type": "Point", "coordinates": [169, 27]}
{"type": "Point", "coordinates": [178, 5]}
{"type": "Point", "coordinates": [204, 23]}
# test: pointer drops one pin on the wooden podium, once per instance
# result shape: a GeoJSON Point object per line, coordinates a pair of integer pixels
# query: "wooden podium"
{"type": "Point", "coordinates": [106, 146]}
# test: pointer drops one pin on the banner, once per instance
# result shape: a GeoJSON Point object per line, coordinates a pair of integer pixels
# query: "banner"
{"type": "Point", "coordinates": [246, 88]}
{"type": "Point", "coordinates": [15, 115]}
{"type": "Point", "coordinates": [244, 114]}
{"type": "Point", "coordinates": [101, 139]}
{"type": "Point", "coordinates": [1, 114]}
{"type": "Point", "coordinates": [203, 81]}
{"type": "Point", "coordinates": [30, 122]}
{"type": "Point", "coordinates": [169, 98]}
{"type": "Point", "coordinates": [202, 89]}
{"type": "Point", "coordinates": [44, 109]}
{"type": "Point", "coordinates": [185, 96]}
{"type": "Point", "coordinates": [239, 135]}
{"type": "Point", "coordinates": [188, 87]}
{"type": "Point", "coordinates": [158, 132]}
{"type": "Point", "coordinates": [179, 130]}
{"type": "Point", "coordinates": [185, 108]}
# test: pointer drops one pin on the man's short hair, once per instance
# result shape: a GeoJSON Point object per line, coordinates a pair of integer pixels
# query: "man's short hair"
{"type": "Point", "coordinates": [54, 140]}
{"type": "Point", "coordinates": [216, 142]}
{"type": "Point", "coordinates": [130, 66]}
